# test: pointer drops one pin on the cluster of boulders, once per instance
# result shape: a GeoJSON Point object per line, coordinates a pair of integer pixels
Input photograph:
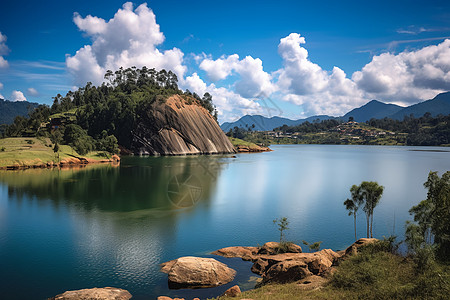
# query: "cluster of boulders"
{"type": "Point", "coordinates": [275, 262]}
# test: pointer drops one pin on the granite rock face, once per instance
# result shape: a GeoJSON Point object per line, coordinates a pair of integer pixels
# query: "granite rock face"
{"type": "Point", "coordinates": [176, 127]}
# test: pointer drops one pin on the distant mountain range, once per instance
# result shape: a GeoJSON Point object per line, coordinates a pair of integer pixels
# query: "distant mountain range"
{"type": "Point", "coordinates": [373, 109]}
{"type": "Point", "coordinates": [9, 110]}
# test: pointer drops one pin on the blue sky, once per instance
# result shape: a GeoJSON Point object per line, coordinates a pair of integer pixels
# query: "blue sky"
{"type": "Point", "coordinates": [291, 58]}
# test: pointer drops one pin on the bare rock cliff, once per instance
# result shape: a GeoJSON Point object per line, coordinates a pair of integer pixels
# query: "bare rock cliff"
{"type": "Point", "coordinates": [176, 127]}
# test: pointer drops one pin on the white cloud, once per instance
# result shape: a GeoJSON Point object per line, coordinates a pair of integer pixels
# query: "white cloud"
{"type": "Point", "coordinates": [299, 75]}
{"type": "Point", "coordinates": [128, 39]}
{"type": "Point", "coordinates": [3, 51]}
{"type": "Point", "coordinates": [220, 68]}
{"type": "Point", "coordinates": [1, 86]}
{"type": "Point", "coordinates": [305, 83]}
{"type": "Point", "coordinates": [407, 77]}
{"type": "Point", "coordinates": [18, 96]}
{"type": "Point", "coordinates": [230, 105]}
{"type": "Point", "coordinates": [253, 82]}
{"type": "Point", "coordinates": [32, 92]}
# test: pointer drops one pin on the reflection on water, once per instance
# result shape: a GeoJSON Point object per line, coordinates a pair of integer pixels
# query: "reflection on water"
{"type": "Point", "coordinates": [112, 226]}
{"type": "Point", "coordinates": [154, 183]}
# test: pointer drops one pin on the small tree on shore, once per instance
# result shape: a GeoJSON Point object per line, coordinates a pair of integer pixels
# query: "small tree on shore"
{"type": "Point", "coordinates": [282, 224]}
{"type": "Point", "coordinates": [368, 193]}
{"type": "Point", "coordinates": [353, 204]}
{"type": "Point", "coordinates": [371, 193]}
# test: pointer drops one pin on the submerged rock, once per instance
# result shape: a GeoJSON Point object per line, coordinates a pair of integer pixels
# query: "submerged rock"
{"type": "Point", "coordinates": [176, 127]}
{"type": "Point", "coordinates": [197, 272]}
{"type": "Point", "coordinates": [106, 293]}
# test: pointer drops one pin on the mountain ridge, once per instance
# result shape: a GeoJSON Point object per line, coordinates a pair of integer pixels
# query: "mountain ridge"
{"type": "Point", "coordinates": [9, 110]}
{"type": "Point", "coordinates": [376, 109]}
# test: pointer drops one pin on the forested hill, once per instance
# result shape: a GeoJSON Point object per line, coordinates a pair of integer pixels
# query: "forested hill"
{"type": "Point", "coordinates": [10, 109]}
{"type": "Point", "coordinates": [93, 115]}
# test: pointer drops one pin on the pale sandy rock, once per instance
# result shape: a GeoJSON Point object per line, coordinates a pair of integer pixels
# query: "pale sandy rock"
{"type": "Point", "coordinates": [106, 293]}
{"type": "Point", "coordinates": [197, 272]}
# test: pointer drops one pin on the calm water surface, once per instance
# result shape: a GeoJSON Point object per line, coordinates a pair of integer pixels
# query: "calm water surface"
{"type": "Point", "coordinates": [112, 226]}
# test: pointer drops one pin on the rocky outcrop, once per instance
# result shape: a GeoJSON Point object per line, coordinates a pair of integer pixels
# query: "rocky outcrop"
{"type": "Point", "coordinates": [283, 267]}
{"type": "Point", "coordinates": [177, 127]}
{"type": "Point", "coordinates": [106, 293]}
{"type": "Point", "coordinates": [292, 265]}
{"type": "Point", "coordinates": [197, 272]}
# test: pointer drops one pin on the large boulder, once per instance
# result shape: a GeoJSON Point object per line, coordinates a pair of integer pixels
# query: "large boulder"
{"type": "Point", "coordinates": [106, 293]}
{"type": "Point", "coordinates": [178, 126]}
{"type": "Point", "coordinates": [286, 271]}
{"type": "Point", "coordinates": [197, 272]}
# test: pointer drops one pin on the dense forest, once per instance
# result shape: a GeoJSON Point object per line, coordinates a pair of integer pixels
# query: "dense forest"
{"type": "Point", "coordinates": [101, 118]}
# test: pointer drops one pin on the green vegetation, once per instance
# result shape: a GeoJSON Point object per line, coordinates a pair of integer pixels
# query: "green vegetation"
{"type": "Point", "coordinates": [423, 131]}
{"type": "Point", "coordinates": [377, 272]}
{"type": "Point", "coordinates": [312, 246]}
{"type": "Point", "coordinates": [368, 193]}
{"type": "Point", "coordinates": [101, 118]}
{"type": "Point", "coordinates": [431, 232]}
{"type": "Point", "coordinates": [283, 225]}
{"type": "Point", "coordinates": [353, 204]}
{"type": "Point", "coordinates": [19, 151]}
{"type": "Point", "coordinates": [241, 143]}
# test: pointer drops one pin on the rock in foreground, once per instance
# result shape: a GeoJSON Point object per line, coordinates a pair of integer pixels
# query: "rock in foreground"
{"type": "Point", "coordinates": [283, 267]}
{"type": "Point", "coordinates": [106, 293]}
{"type": "Point", "coordinates": [196, 272]}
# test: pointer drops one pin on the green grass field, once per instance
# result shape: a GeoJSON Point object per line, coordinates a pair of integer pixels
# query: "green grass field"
{"type": "Point", "coordinates": [238, 142]}
{"type": "Point", "coordinates": [35, 151]}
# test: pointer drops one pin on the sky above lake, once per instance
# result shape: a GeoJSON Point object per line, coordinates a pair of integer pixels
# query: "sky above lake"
{"type": "Point", "coordinates": [288, 58]}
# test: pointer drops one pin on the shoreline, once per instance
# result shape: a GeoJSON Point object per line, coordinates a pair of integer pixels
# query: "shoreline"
{"type": "Point", "coordinates": [73, 162]}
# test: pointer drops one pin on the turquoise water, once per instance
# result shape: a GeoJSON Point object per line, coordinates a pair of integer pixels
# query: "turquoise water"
{"type": "Point", "coordinates": [112, 226]}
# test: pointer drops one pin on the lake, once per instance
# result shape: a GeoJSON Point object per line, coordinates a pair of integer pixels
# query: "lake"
{"type": "Point", "coordinates": [112, 226]}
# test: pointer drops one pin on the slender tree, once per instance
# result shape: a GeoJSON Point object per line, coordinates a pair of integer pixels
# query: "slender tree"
{"type": "Point", "coordinates": [371, 194]}
{"type": "Point", "coordinates": [353, 204]}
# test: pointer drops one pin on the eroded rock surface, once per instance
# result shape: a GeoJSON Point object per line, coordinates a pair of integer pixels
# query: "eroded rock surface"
{"type": "Point", "coordinates": [176, 127]}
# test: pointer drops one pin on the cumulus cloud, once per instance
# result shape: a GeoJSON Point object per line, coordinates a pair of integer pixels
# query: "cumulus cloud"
{"type": "Point", "coordinates": [130, 38]}
{"type": "Point", "coordinates": [409, 76]}
{"type": "Point", "coordinates": [3, 51]}
{"type": "Point", "coordinates": [230, 105]}
{"type": "Point", "coordinates": [305, 83]}
{"type": "Point", "coordinates": [32, 92]}
{"type": "Point", "coordinates": [253, 82]}
{"type": "Point", "coordinates": [18, 96]}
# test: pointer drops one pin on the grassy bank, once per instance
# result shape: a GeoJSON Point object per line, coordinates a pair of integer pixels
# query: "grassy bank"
{"type": "Point", "coordinates": [24, 151]}
{"type": "Point", "coordinates": [372, 274]}
{"type": "Point", "coordinates": [239, 144]}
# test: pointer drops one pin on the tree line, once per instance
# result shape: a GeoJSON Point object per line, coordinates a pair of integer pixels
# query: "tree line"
{"type": "Point", "coordinates": [105, 113]}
